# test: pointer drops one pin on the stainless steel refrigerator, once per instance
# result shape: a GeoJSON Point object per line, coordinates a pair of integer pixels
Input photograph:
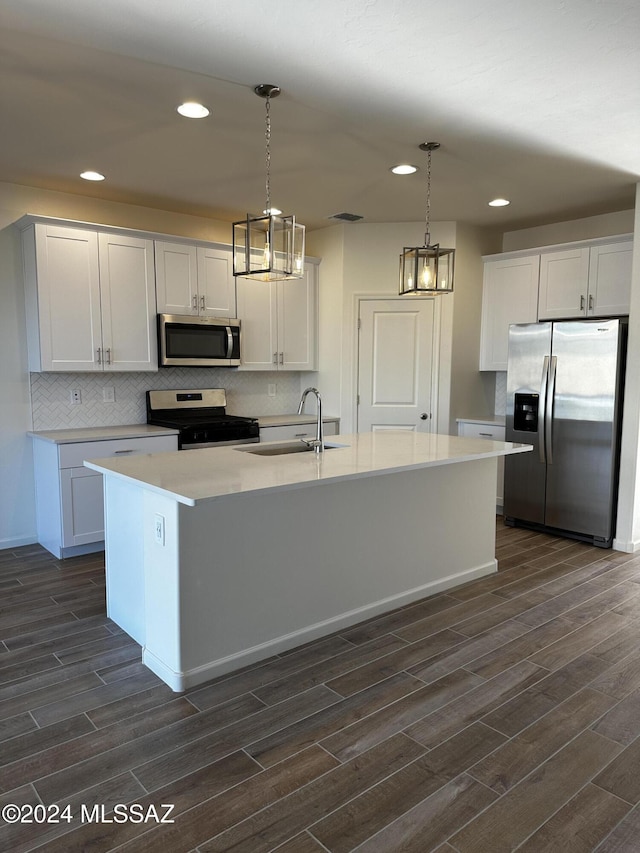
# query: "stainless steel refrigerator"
{"type": "Point", "coordinates": [564, 396]}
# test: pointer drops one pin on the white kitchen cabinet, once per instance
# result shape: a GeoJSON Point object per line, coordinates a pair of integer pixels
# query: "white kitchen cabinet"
{"type": "Point", "coordinates": [288, 432]}
{"type": "Point", "coordinates": [69, 499]}
{"type": "Point", "coordinates": [489, 431]}
{"type": "Point", "coordinates": [609, 291]}
{"type": "Point", "coordinates": [585, 281]}
{"type": "Point", "coordinates": [192, 279]}
{"type": "Point", "coordinates": [509, 295]}
{"type": "Point", "coordinates": [279, 322]}
{"type": "Point", "coordinates": [90, 300]}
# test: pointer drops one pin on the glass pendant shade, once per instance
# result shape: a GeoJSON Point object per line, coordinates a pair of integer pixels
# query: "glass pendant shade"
{"type": "Point", "coordinates": [426, 269]}
{"type": "Point", "coordinates": [268, 248]}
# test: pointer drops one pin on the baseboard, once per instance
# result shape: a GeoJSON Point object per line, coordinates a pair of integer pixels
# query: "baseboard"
{"type": "Point", "coordinates": [627, 547]}
{"type": "Point", "coordinates": [180, 681]}
{"type": "Point", "coordinates": [17, 542]}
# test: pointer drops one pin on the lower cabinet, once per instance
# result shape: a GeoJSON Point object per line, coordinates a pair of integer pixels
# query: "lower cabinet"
{"type": "Point", "coordinates": [69, 499]}
{"type": "Point", "coordinates": [490, 431]}
{"type": "Point", "coordinates": [289, 432]}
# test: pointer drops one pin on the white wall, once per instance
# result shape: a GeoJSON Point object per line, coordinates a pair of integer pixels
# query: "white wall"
{"type": "Point", "coordinates": [606, 225]}
{"type": "Point", "coordinates": [628, 527]}
{"type": "Point", "coordinates": [364, 260]}
{"type": "Point", "coordinates": [17, 499]}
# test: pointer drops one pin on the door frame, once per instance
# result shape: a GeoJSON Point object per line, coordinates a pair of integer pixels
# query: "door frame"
{"type": "Point", "coordinates": [435, 363]}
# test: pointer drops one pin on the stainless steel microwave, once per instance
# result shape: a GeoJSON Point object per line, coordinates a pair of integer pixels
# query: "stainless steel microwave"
{"type": "Point", "coordinates": [185, 340]}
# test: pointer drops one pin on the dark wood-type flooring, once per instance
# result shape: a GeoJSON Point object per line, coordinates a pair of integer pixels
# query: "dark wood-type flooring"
{"type": "Point", "coordinates": [503, 714]}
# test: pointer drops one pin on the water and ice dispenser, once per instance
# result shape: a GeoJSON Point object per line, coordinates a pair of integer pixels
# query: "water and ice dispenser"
{"type": "Point", "coordinates": [525, 412]}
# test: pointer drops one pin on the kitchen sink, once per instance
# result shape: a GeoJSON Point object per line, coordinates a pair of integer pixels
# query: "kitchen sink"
{"type": "Point", "coordinates": [281, 449]}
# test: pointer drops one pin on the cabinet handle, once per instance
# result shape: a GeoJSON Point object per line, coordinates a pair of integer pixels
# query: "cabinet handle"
{"type": "Point", "coordinates": [194, 303]}
{"type": "Point", "coordinates": [486, 434]}
{"type": "Point", "coordinates": [275, 358]}
{"type": "Point", "coordinates": [108, 352]}
{"type": "Point", "coordinates": [117, 452]}
{"type": "Point", "coordinates": [281, 358]}
{"type": "Point", "coordinates": [202, 302]}
{"type": "Point", "coordinates": [582, 303]}
{"type": "Point", "coordinates": [99, 351]}
{"type": "Point", "coordinates": [590, 303]}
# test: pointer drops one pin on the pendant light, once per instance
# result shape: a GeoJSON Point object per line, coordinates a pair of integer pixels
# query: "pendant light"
{"type": "Point", "coordinates": [427, 269]}
{"type": "Point", "coordinates": [268, 247]}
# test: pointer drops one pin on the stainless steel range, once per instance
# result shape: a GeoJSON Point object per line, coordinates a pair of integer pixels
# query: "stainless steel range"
{"type": "Point", "coordinates": [200, 415]}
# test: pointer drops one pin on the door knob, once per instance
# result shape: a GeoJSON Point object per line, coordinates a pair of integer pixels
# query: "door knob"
{"type": "Point", "coordinates": [424, 416]}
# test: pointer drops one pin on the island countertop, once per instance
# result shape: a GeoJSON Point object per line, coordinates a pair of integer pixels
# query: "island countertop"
{"type": "Point", "coordinates": [198, 476]}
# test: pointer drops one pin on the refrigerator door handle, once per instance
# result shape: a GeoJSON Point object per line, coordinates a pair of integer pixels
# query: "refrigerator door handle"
{"type": "Point", "coordinates": [548, 416]}
{"type": "Point", "coordinates": [544, 382]}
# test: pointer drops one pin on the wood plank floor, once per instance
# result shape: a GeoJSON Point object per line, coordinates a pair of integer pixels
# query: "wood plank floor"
{"type": "Point", "coordinates": [501, 715]}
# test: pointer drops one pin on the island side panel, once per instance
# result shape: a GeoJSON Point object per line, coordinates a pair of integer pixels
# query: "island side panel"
{"type": "Point", "coordinates": [258, 574]}
{"type": "Point", "coordinates": [124, 556]}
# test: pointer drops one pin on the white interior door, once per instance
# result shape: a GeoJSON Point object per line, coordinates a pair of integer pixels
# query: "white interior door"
{"type": "Point", "coordinates": [396, 364]}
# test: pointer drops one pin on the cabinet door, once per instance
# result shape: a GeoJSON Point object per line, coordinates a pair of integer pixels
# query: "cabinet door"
{"type": "Point", "coordinates": [82, 506]}
{"type": "Point", "coordinates": [216, 283]}
{"type": "Point", "coordinates": [610, 279]}
{"type": "Point", "coordinates": [64, 285]}
{"type": "Point", "coordinates": [509, 295]}
{"type": "Point", "coordinates": [128, 300]}
{"type": "Point", "coordinates": [488, 432]}
{"type": "Point", "coordinates": [176, 278]}
{"type": "Point", "coordinates": [563, 284]}
{"type": "Point", "coordinates": [297, 319]}
{"type": "Point", "coordinates": [257, 313]}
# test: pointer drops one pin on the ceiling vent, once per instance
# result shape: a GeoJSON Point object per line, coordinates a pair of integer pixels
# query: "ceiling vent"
{"type": "Point", "coordinates": [346, 217]}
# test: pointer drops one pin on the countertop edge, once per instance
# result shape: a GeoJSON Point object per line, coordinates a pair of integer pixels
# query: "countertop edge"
{"type": "Point", "coordinates": [79, 435]}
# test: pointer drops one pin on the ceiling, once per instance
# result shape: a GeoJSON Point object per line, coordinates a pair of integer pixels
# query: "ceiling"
{"type": "Point", "coordinates": [536, 102]}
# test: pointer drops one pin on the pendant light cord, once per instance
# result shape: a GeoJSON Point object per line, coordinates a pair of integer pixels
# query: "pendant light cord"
{"type": "Point", "coordinates": [427, 223]}
{"type": "Point", "coordinates": [267, 135]}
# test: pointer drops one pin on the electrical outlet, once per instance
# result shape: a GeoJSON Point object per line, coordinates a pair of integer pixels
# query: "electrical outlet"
{"type": "Point", "coordinates": [109, 394]}
{"type": "Point", "coordinates": [75, 397]}
{"type": "Point", "coordinates": [159, 528]}
{"type": "Point", "coordinates": [271, 389]}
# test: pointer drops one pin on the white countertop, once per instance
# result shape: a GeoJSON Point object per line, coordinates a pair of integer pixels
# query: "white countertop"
{"type": "Point", "coordinates": [194, 476]}
{"type": "Point", "coordinates": [292, 420]}
{"type": "Point", "coordinates": [103, 433]}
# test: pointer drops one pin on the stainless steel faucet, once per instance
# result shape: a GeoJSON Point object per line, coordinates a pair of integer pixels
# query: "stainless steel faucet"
{"type": "Point", "coordinates": [318, 442]}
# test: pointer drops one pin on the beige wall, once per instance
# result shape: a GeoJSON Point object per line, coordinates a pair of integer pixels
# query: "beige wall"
{"type": "Point", "coordinates": [605, 225]}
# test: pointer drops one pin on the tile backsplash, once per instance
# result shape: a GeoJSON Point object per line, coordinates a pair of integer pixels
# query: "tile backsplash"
{"type": "Point", "coordinates": [501, 393]}
{"type": "Point", "coordinates": [247, 394]}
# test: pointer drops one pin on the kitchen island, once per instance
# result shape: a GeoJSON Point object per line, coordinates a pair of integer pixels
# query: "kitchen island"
{"type": "Point", "coordinates": [221, 557]}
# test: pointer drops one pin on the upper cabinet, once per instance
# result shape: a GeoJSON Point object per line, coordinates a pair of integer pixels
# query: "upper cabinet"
{"type": "Point", "coordinates": [279, 322]}
{"type": "Point", "coordinates": [192, 279]}
{"type": "Point", "coordinates": [509, 295]}
{"type": "Point", "coordinates": [90, 300]}
{"type": "Point", "coordinates": [588, 279]}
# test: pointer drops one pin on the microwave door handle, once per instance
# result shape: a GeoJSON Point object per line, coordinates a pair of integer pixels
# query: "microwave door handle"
{"type": "Point", "coordinates": [542, 408]}
{"type": "Point", "coordinates": [229, 342]}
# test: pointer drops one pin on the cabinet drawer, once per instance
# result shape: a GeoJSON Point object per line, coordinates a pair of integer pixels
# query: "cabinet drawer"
{"type": "Point", "coordinates": [73, 455]}
{"type": "Point", "coordinates": [292, 431]}
{"type": "Point", "coordinates": [492, 432]}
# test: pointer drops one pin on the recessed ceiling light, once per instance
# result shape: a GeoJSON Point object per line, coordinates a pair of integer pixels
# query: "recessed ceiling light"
{"type": "Point", "coordinates": [404, 169]}
{"type": "Point", "coordinates": [92, 176]}
{"type": "Point", "coordinates": [499, 202]}
{"type": "Point", "coordinates": [191, 109]}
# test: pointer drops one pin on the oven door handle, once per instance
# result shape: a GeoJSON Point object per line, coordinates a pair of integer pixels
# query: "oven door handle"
{"type": "Point", "coordinates": [229, 342]}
